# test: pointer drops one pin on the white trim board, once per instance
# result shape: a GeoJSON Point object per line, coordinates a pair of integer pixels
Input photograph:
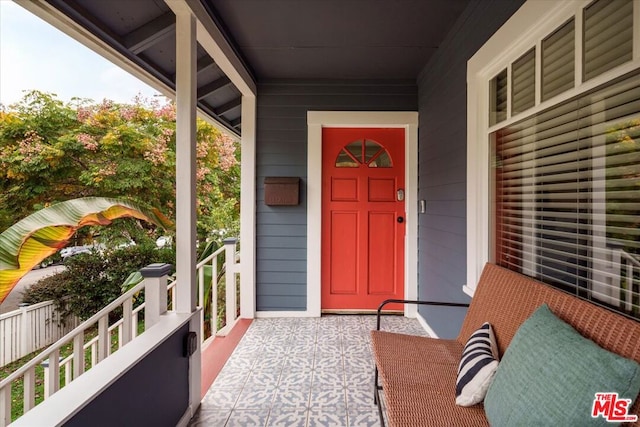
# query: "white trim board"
{"type": "Point", "coordinates": [316, 120]}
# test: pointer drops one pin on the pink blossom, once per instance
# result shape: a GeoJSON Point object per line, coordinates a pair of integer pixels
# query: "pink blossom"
{"type": "Point", "coordinates": [87, 141]}
{"type": "Point", "coordinates": [201, 173]}
{"type": "Point", "coordinates": [31, 146]}
{"type": "Point", "coordinates": [226, 151]}
{"type": "Point", "coordinates": [127, 113]}
{"type": "Point", "coordinates": [166, 112]}
{"type": "Point", "coordinates": [83, 114]}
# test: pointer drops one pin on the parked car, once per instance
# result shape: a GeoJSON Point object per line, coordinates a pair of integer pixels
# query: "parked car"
{"type": "Point", "coordinates": [70, 251]}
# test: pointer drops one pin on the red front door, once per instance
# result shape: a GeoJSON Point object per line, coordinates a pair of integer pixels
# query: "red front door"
{"type": "Point", "coordinates": [363, 217]}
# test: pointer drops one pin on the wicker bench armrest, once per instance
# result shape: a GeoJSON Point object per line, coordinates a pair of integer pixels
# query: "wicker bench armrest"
{"type": "Point", "coordinates": [404, 301]}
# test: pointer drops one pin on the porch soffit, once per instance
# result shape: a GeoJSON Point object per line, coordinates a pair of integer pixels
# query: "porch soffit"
{"type": "Point", "coordinates": [275, 39]}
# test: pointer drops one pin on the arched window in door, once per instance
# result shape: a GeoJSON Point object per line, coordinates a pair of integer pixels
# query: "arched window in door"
{"type": "Point", "coordinates": [363, 152]}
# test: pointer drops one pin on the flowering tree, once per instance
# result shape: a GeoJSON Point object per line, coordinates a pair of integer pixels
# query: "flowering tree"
{"type": "Point", "coordinates": [52, 151]}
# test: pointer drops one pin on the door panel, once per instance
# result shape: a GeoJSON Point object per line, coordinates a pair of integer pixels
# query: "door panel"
{"type": "Point", "coordinates": [344, 253]}
{"type": "Point", "coordinates": [382, 189]}
{"type": "Point", "coordinates": [382, 253]}
{"type": "Point", "coordinates": [362, 219]}
{"type": "Point", "coordinates": [344, 190]}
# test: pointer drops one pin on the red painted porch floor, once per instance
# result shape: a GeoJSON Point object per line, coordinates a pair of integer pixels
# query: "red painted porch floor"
{"type": "Point", "coordinates": [295, 372]}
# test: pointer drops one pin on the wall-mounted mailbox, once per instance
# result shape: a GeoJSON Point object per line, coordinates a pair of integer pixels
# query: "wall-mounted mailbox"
{"type": "Point", "coordinates": [281, 191]}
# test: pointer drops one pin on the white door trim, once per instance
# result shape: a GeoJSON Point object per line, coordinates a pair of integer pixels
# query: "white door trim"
{"type": "Point", "coordinates": [316, 120]}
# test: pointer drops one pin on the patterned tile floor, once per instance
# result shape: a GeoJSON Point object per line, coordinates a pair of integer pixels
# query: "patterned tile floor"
{"type": "Point", "coordinates": [300, 372]}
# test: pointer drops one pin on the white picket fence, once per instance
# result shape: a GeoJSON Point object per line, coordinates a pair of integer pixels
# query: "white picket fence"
{"type": "Point", "coordinates": [31, 328]}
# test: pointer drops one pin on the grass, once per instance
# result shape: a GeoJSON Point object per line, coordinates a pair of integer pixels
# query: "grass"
{"type": "Point", "coordinates": [17, 386]}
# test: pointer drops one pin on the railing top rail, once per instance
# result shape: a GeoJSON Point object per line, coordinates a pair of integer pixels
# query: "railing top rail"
{"type": "Point", "coordinates": [81, 328]}
{"type": "Point", "coordinates": [210, 257]}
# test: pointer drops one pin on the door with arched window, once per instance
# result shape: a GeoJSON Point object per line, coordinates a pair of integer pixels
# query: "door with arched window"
{"type": "Point", "coordinates": [363, 217]}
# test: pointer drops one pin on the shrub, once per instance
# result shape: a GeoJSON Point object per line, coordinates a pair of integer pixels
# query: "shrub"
{"type": "Point", "coordinates": [49, 288]}
{"type": "Point", "coordinates": [92, 281]}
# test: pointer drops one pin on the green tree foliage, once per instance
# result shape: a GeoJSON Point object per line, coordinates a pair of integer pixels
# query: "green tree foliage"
{"type": "Point", "coordinates": [52, 151]}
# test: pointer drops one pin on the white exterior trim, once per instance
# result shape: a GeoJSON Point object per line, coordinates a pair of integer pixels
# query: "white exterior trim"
{"type": "Point", "coordinates": [316, 120]}
{"type": "Point", "coordinates": [248, 209]}
{"type": "Point", "coordinates": [288, 314]}
{"type": "Point", "coordinates": [186, 161]}
{"type": "Point", "coordinates": [524, 30]}
{"type": "Point", "coordinates": [217, 46]}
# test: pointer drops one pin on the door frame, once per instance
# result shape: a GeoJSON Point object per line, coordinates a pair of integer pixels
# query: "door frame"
{"type": "Point", "coordinates": [316, 120]}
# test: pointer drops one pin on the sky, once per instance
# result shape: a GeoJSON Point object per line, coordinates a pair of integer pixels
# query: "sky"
{"type": "Point", "coordinates": [35, 55]}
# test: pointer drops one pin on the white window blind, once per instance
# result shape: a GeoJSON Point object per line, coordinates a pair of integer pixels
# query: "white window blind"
{"type": "Point", "coordinates": [566, 189]}
{"type": "Point", "coordinates": [608, 36]}
{"type": "Point", "coordinates": [558, 61]}
{"type": "Point", "coordinates": [498, 98]}
{"type": "Point", "coordinates": [523, 82]}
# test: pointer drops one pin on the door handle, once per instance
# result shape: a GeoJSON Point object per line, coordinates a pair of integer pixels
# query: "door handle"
{"type": "Point", "coordinates": [400, 220]}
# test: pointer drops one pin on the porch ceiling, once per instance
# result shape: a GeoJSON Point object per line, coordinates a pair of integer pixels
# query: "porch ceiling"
{"type": "Point", "coordinates": [275, 39]}
{"type": "Point", "coordinates": [337, 39]}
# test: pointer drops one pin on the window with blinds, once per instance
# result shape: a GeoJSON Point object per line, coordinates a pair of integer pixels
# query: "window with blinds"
{"type": "Point", "coordinates": [566, 195]}
{"type": "Point", "coordinates": [608, 36]}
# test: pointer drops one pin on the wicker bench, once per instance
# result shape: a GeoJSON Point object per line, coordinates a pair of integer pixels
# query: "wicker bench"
{"type": "Point", "coordinates": [418, 374]}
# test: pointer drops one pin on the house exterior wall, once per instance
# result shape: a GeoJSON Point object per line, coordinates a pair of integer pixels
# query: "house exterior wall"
{"type": "Point", "coordinates": [442, 162]}
{"type": "Point", "coordinates": [281, 243]}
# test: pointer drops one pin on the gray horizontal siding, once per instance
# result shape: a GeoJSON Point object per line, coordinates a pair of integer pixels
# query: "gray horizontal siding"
{"type": "Point", "coordinates": [282, 151]}
{"type": "Point", "coordinates": [442, 161]}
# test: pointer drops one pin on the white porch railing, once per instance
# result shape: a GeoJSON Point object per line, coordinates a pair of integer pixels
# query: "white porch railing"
{"type": "Point", "coordinates": [112, 333]}
{"type": "Point", "coordinates": [231, 270]}
{"type": "Point", "coordinates": [30, 328]}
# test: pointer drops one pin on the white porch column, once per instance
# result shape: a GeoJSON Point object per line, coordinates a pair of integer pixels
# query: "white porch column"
{"type": "Point", "coordinates": [248, 209]}
{"type": "Point", "coordinates": [185, 160]}
{"type": "Point", "coordinates": [186, 99]}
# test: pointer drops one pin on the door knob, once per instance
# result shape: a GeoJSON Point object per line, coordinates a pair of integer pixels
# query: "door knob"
{"type": "Point", "coordinates": [400, 219]}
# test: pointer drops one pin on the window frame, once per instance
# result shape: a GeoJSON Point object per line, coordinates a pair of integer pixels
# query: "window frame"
{"type": "Point", "coordinates": [526, 29]}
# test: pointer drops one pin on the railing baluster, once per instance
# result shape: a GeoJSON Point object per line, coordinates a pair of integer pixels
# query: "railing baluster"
{"type": "Point", "coordinates": [78, 354]}
{"type": "Point", "coordinates": [230, 280]}
{"type": "Point", "coordinates": [103, 338]}
{"type": "Point", "coordinates": [201, 299]}
{"type": "Point", "coordinates": [134, 325]}
{"type": "Point", "coordinates": [51, 373]}
{"type": "Point", "coordinates": [201, 287]}
{"type": "Point", "coordinates": [629, 291]}
{"type": "Point", "coordinates": [124, 330]}
{"type": "Point", "coordinates": [29, 387]}
{"type": "Point", "coordinates": [5, 405]}
{"type": "Point", "coordinates": [67, 372]}
{"type": "Point", "coordinates": [214, 296]}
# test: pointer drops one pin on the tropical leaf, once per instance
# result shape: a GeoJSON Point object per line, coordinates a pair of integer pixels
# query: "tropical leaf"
{"type": "Point", "coordinates": [25, 244]}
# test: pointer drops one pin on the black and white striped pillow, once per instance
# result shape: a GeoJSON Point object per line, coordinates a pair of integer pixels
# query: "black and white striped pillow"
{"type": "Point", "coordinates": [477, 366]}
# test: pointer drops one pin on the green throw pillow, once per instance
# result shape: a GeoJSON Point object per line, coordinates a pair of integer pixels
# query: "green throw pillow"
{"type": "Point", "coordinates": [549, 376]}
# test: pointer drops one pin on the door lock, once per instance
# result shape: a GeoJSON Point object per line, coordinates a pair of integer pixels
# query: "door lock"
{"type": "Point", "coordinates": [400, 193]}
